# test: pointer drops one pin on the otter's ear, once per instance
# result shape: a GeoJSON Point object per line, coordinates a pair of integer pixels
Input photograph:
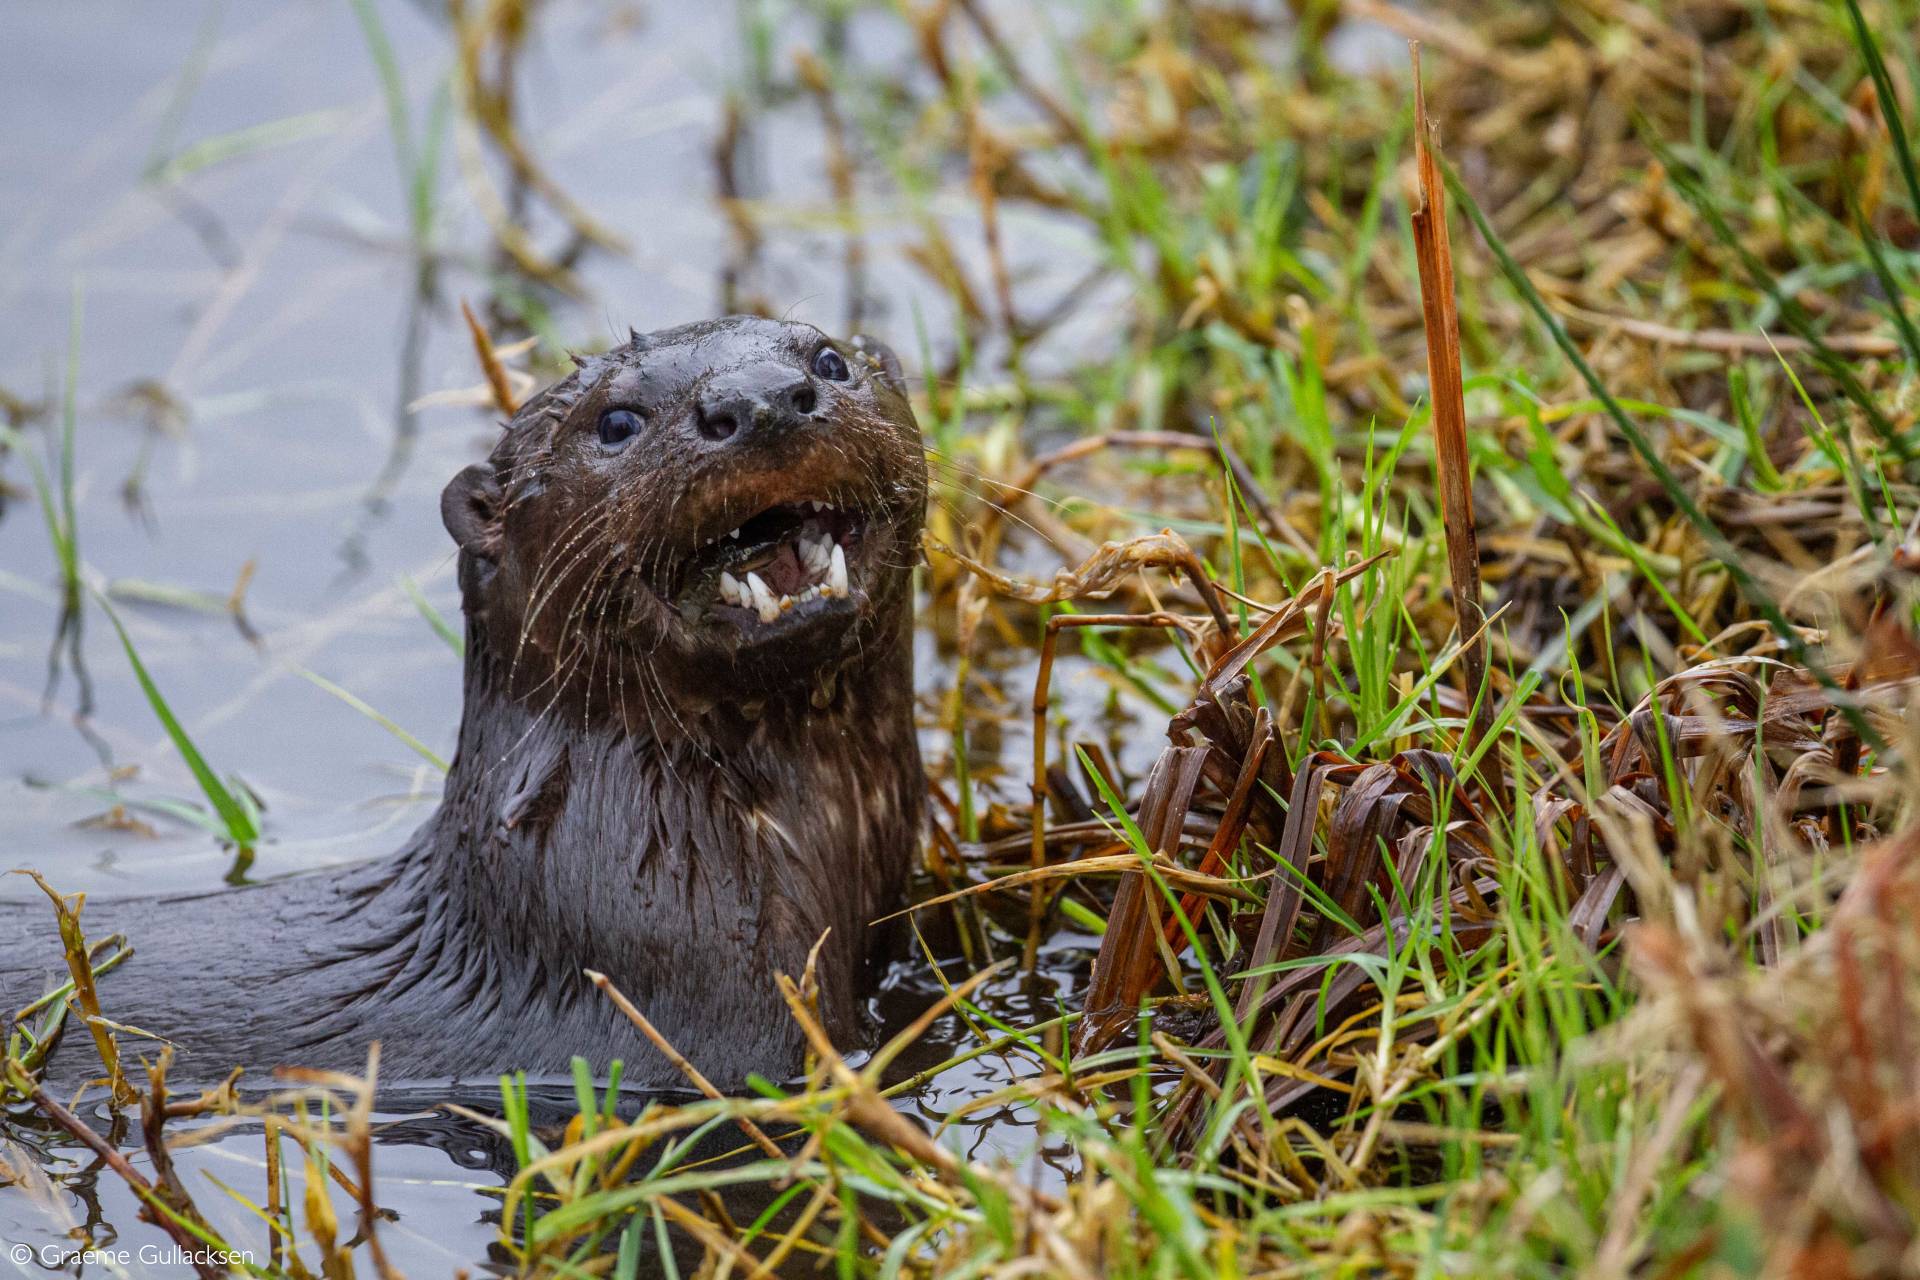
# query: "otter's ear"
{"type": "Point", "coordinates": [883, 357]}
{"type": "Point", "coordinates": [470, 507]}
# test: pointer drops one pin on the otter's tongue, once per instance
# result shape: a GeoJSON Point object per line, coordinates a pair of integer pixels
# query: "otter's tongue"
{"type": "Point", "coordinates": [779, 560]}
{"type": "Point", "coordinates": [776, 578]}
{"type": "Point", "coordinates": [782, 571]}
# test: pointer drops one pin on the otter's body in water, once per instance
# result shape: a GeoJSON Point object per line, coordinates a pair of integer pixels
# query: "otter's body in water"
{"type": "Point", "coordinates": [686, 750]}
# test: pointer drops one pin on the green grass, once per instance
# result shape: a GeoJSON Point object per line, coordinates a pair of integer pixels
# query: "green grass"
{"type": "Point", "coordinates": [1526, 1067]}
{"type": "Point", "coordinates": [235, 815]}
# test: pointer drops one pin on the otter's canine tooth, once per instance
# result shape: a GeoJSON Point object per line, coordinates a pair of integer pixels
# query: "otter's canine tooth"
{"type": "Point", "coordinates": [837, 575]}
{"type": "Point", "coordinates": [763, 600]}
{"type": "Point", "coordinates": [733, 533]}
{"type": "Point", "coordinates": [730, 589]}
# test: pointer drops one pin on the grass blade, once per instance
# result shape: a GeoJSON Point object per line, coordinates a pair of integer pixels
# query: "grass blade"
{"type": "Point", "coordinates": [1889, 101]}
{"type": "Point", "coordinates": [367, 709]}
{"type": "Point", "coordinates": [234, 816]}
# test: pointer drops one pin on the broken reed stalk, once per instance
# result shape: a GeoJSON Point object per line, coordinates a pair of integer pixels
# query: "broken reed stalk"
{"type": "Point", "coordinates": [866, 1109]}
{"type": "Point", "coordinates": [357, 1141]}
{"type": "Point", "coordinates": [279, 1214]}
{"type": "Point", "coordinates": [80, 965]}
{"type": "Point", "coordinates": [1233, 820]}
{"type": "Point", "coordinates": [168, 1188]}
{"type": "Point", "coordinates": [503, 397]}
{"type": "Point", "coordinates": [678, 1059]}
{"type": "Point", "coordinates": [1135, 953]}
{"type": "Point", "coordinates": [1442, 320]}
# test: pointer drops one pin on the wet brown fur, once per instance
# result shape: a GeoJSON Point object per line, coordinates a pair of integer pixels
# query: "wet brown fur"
{"type": "Point", "coordinates": [662, 800]}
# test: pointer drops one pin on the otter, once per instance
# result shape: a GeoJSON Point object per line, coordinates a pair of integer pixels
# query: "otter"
{"type": "Point", "coordinates": [686, 752]}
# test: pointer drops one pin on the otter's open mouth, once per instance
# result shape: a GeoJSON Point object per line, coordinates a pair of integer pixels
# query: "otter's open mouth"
{"type": "Point", "coordinates": [788, 559]}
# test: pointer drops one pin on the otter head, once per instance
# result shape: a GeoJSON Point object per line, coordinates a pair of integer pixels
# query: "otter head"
{"type": "Point", "coordinates": [719, 512]}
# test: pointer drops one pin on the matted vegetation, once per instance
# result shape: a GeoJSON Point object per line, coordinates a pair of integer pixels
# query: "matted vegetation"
{"type": "Point", "coordinates": [1528, 883]}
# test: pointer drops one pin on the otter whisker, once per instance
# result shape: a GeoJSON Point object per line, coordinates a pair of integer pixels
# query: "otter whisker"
{"type": "Point", "coordinates": [564, 562]}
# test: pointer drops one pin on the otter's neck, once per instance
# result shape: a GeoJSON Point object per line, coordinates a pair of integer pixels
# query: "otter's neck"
{"type": "Point", "coordinates": [690, 859]}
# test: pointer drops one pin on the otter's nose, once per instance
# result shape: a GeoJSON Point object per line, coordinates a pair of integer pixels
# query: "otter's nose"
{"type": "Point", "coordinates": [756, 402]}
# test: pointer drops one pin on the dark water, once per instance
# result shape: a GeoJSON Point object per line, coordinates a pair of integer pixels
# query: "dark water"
{"type": "Point", "coordinates": [266, 296]}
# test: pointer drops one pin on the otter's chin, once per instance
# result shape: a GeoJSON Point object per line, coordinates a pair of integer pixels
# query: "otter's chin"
{"type": "Point", "coordinates": [721, 660]}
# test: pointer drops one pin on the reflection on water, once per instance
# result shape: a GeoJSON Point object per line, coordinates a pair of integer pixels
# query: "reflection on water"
{"type": "Point", "coordinates": [208, 197]}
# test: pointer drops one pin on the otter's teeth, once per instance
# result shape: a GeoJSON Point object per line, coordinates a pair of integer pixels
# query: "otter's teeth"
{"type": "Point", "coordinates": [813, 553]}
{"type": "Point", "coordinates": [837, 573]}
{"type": "Point", "coordinates": [732, 591]}
{"type": "Point", "coordinates": [763, 600]}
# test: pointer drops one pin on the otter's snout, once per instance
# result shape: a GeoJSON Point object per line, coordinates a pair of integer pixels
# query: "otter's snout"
{"type": "Point", "coordinates": [754, 403]}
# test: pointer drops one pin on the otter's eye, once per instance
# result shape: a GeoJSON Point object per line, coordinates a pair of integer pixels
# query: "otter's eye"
{"type": "Point", "coordinates": [830, 366]}
{"type": "Point", "coordinates": [617, 426]}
